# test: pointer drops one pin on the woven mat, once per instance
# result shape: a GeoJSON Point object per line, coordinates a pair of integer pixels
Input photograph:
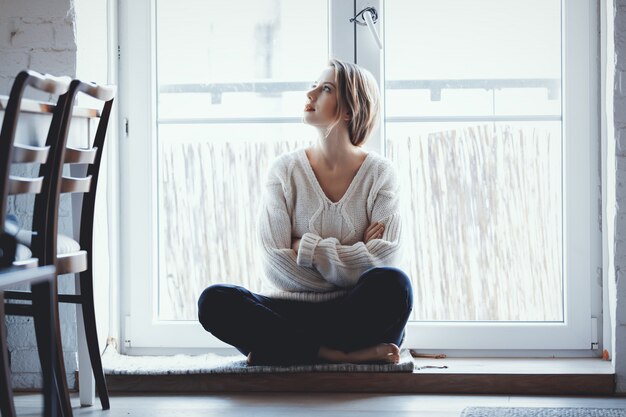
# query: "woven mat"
{"type": "Point", "coordinates": [210, 363]}
{"type": "Point", "coordinates": [542, 412]}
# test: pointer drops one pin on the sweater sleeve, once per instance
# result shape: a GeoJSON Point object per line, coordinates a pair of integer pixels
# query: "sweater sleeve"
{"type": "Point", "coordinates": [342, 265]}
{"type": "Point", "coordinates": [278, 259]}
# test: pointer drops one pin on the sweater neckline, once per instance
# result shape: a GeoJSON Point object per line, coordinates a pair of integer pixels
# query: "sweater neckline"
{"type": "Point", "coordinates": [318, 187]}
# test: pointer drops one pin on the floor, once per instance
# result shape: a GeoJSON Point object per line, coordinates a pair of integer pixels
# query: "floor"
{"type": "Point", "coordinates": [303, 405]}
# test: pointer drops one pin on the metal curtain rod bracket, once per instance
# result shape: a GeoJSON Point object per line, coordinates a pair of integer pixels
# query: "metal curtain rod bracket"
{"type": "Point", "coordinates": [373, 12]}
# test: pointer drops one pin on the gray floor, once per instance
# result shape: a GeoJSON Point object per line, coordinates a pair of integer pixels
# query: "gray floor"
{"type": "Point", "coordinates": [298, 404]}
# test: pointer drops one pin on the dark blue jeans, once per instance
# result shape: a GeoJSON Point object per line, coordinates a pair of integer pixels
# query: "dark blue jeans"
{"type": "Point", "coordinates": [282, 331]}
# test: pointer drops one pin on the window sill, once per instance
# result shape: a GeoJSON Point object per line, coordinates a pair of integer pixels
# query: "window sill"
{"type": "Point", "coordinates": [505, 376]}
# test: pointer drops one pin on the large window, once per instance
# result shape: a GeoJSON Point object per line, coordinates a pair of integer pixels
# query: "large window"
{"type": "Point", "coordinates": [484, 116]}
{"type": "Point", "coordinates": [227, 102]}
{"type": "Point", "coordinates": [474, 124]}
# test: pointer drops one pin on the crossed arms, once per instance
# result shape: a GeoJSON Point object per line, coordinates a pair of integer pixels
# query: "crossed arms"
{"type": "Point", "coordinates": [312, 263]}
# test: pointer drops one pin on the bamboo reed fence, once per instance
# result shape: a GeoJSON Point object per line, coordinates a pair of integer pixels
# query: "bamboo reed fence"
{"type": "Point", "coordinates": [481, 218]}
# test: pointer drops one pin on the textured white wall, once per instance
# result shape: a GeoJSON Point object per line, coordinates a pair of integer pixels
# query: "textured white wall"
{"type": "Point", "coordinates": [619, 125]}
{"type": "Point", "coordinates": [38, 35]}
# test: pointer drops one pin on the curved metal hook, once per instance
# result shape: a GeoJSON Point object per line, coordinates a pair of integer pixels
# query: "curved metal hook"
{"type": "Point", "coordinates": [373, 12]}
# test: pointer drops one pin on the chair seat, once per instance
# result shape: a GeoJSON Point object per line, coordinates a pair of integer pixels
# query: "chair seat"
{"type": "Point", "coordinates": [65, 244]}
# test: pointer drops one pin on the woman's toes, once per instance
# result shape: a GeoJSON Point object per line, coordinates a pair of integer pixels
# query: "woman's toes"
{"type": "Point", "coordinates": [391, 348]}
{"type": "Point", "coordinates": [393, 352]}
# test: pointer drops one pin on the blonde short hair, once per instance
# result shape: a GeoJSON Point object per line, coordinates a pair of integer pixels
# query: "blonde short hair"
{"type": "Point", "coordinates": [358, 95]}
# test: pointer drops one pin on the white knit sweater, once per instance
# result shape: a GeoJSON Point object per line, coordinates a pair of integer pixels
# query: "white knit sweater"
{"type": "Point", "coordinates": [332, 255]}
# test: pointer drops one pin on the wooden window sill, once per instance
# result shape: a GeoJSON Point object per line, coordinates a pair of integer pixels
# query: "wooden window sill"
{"type": "Point", "coordinates": [506, 376]}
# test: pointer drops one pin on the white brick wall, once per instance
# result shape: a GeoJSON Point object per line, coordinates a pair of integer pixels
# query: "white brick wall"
{"type": "Point", "coordinates": [619, 112]}
{"type": "Point", "coordinates": [38, 35]}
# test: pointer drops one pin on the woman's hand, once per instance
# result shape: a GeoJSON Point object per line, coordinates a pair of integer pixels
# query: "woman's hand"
{"type": "Point", "coordinates": [295, 245]}
{"type": "Point", "coordinates": [374, 231]}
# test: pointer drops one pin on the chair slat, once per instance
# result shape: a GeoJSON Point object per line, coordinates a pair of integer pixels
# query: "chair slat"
{"type": "Point", "coordinates": [49, 83]}
{"type": "Point", "coordinates": [24, 154]}
{"type": "Point", "coordinates": [18, 295]}
{"type": "Point", "coordinates": [70, 263]}
{"type": "Point", "coordinates": [80, 156]}
{"type": "Point", "coordinates": [19, 185]}
{"type": "Point", "coordinates": [24, 310]}
{"type": "Point", "coordinates": [26, 263]}
{"type": "Point", "coordinates": [75, 185]}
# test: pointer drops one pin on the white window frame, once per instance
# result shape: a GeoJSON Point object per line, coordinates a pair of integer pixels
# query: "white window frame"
{"type": "Point", "coordinates": [581, 232]}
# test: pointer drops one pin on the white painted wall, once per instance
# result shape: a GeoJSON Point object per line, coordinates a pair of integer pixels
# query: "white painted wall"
{"type": "Point", "coordinates": [92, 64]}
{"type": "Point", "coordinates": [617, 63]}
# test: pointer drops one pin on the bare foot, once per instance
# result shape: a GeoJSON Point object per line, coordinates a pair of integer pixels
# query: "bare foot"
{"type": "Point", "coordinates": [383, 352]}
{"type": "Point", "coordinates": [256, 359]}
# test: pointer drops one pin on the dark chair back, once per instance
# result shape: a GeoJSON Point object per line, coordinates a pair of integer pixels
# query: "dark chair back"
{"type": "Point", "coordinates": [44, 307]}
{"type": "Point", "coordinates": [86, 184]}
{"type": "Point", "coordinates": [12, 153]}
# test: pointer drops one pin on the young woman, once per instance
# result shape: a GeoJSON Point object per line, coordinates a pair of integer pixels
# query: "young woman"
{"type": "Point", "coordinates": [329, 234]}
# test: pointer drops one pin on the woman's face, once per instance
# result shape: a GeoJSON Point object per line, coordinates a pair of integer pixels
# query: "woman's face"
{"type": "Point", "coordinates": [321, 106]}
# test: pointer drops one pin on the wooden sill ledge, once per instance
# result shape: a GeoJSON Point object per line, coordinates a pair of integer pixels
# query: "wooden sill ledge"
{"type": "Point", "coordinates": [505, 376]}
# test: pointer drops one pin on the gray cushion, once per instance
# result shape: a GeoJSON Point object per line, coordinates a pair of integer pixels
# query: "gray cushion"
{"type": "Point", "coordinates": [65, 244]}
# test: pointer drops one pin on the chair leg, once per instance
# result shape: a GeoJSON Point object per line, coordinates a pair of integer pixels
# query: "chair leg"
{"type": "Point", "coordinates": [43, 315]}
{"type": "Point", "coordinates": [61, 380]}
{"type": "Point", "coordinates": [91, 334]}
{"type": "Point", "coordinates": [59, 366]}
{"type": "Point", "coordinates": [6, 392]}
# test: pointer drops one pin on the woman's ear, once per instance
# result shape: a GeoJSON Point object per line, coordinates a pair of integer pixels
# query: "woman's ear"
{"type": "Point", "coordinates": [347, 117]}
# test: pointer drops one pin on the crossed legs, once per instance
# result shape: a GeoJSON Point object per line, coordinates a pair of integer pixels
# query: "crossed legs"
{"type": "Point", "coordinates": [366, 325]}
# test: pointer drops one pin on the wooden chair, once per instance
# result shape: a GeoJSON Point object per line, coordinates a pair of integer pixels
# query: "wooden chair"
{"type": "Point", "coordinates": [42, 279]}
{"type": "Point", "coordinates": [76, 257]}
{"type": "Point", "coordinates": [43, 311]}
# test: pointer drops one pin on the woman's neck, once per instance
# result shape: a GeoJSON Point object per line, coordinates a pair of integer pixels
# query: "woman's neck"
{"type": "Point", "coordinates": [335, 149]}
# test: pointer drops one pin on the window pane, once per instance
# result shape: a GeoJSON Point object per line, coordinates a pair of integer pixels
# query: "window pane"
{"type": "Point", "coordinates": [473, 121]}
{"type": "Point", "coordinates": [231, 78]}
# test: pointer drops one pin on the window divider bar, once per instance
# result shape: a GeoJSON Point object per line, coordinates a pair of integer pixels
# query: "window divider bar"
{"type": "Point", "coordinates": [391, 119]}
